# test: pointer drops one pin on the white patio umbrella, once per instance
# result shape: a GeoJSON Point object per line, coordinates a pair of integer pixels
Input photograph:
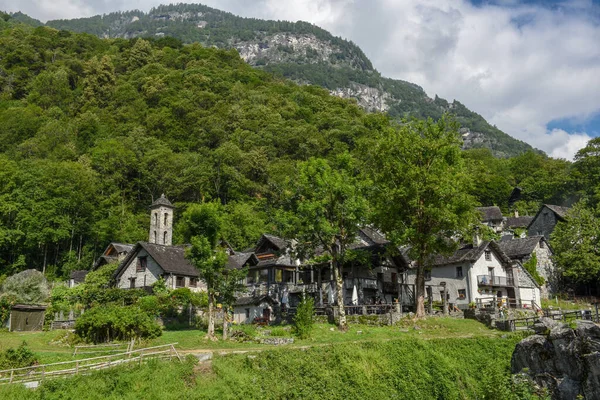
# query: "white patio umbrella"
{"type": "Point", "coordinates": [354, 296]}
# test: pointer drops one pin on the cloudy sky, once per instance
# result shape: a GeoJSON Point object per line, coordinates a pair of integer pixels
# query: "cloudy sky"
{"type": "Point", "coordinates": [530, 67]}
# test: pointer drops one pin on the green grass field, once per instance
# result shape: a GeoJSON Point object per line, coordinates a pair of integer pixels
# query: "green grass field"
{"type": "Point", "coordinates": [405, 368]}
{"type": "Point", "coordinates": [45, 345]}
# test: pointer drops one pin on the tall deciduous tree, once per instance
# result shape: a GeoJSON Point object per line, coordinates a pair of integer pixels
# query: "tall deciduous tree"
{"type": "Point", "coordinates": [327, 208]}
{"type": "Point", "coordinates": [202, 226]}
{"type": "Point", "coordinates": [576, 244]}
{"type": "Point", "coordinates": [421, 191]}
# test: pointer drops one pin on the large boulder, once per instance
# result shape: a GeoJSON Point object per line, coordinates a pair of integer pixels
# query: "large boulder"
{"type": "Point", "coordinates": [562, 360]}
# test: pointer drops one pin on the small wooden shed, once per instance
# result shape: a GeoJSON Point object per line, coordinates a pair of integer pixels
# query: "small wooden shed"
{"type": "Point", "coordinates": [27, 317]}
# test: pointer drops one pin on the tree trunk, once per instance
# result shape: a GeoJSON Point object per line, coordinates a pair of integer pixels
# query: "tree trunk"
{"type": "Point", "coordinates": [211, 317]}
{"type": "Point", "coordinates": [420, 292]}
{"type": "Point", "coordinates": [45, 258]}
{"type": "Point", "coordinates": [339, 284]}
{"type": "Point", "coordinates": [225, 321]}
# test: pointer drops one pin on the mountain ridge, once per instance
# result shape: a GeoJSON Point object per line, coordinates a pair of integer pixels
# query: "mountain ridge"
{"type": "Point", "coordinates": [299, 51]}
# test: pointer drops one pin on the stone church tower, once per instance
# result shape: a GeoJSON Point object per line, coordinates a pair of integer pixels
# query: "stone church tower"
{"type": "Point", "coordinates": [161, 222]}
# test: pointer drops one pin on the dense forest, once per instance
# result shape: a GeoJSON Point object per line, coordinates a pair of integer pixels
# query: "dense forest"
{"type": "Point", "coordinates": [93, 130]}
{"type": "Point", "coordinates": [329, 61]}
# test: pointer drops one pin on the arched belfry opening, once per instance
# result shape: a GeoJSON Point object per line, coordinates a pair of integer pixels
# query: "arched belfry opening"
{"type": "Point", "coordinates": [161, 207]}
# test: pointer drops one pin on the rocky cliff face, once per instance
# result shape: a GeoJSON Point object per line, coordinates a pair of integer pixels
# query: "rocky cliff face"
{"type": "Point", "coordinates": [561, 361]}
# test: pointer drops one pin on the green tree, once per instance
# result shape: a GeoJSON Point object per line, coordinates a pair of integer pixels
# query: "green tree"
{"type": "Point", "coordinates": [326, 208]}
{"type": "Point", "coordinates": [230, 284]}
{"type": "Point", "coordinates": [576, 244]}
{"type": "Point", "coordinates": [421, 193]}
{"type": "Point", "coordinates": [202, 226]}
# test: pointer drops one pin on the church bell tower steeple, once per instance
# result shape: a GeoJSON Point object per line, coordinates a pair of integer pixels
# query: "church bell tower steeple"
{"type": "Point", "coordinates": [161, 222]}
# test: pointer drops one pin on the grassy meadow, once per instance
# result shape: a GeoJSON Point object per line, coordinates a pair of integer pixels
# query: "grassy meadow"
{"type": "Point", "coordinates": [438, 358]}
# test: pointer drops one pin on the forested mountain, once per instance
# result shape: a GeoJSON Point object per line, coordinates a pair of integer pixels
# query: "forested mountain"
{"type": "Point", "coordinates": [299, 51]}
{"type": "Point", "coordinates": [93, 130]}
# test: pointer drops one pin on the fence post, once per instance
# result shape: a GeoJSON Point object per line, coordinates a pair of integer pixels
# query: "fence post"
{"type": "Point", "coordinates": [12, 372]}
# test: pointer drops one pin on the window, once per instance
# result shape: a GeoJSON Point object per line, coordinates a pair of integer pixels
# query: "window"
{"type": "Point", "coordinates": [542, 244]}
{"type": "Point", "coordinates": [131, 283]}
{"type": "Point", "coordinates": [278, 275]}
{"type": "Point", "coordinates": [141, 264]}
{"type": "Point", "coordinates": [155, 218]}
{"type": "Point", "coordinates": [165, 237]}
{"type": "Point", "coordinates": [154, 237]}
{"type": "Point", "coordinates": [193, 282]}
{"type": "Point", "coordinates": [247, 313]}
{"type": "Point", "coordinates": [427, 275]}
{"type": "Point", "coordinates": [166, 218]}
{"type": "Point", "coordinates": [459, 273]}
{"type": "Point", "coordinates": [462, 294]}
{"type": "Point", "coordinates": [488, 255]}
{"type": "Point", "coordinates": [394, 277]}
{"type": "Point", "coordinates": [180, 281]}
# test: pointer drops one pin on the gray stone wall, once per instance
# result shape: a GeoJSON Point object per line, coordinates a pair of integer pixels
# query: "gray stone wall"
{"type": "Point", "coordinates": [543, 224]}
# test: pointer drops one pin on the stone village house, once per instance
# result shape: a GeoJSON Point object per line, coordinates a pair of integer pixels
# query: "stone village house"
{"type": "Point", "coordinates": [523, 249]}
{"type": "Point", "coordinates": [546, 219]}
{"type": "Point", "coordinates": [478, 273]}
{"type": "Point", "coordinates": [148, 261]}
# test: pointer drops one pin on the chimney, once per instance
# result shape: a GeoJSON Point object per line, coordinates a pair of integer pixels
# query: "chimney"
{"type": "Point", "coordinates": [476, 237]}
{"type": "Point", "coordinates": [516, 213]}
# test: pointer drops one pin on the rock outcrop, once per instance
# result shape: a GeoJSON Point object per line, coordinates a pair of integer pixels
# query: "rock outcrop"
{"type": "Point", "coordinates": [561, 360]}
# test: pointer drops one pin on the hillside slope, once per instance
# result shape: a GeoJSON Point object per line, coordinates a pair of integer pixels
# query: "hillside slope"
{"type": "Point", "coordinates": [299, 51]}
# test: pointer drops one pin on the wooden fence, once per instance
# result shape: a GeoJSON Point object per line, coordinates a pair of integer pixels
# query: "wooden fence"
{"type": "Point", "coordinates": [515, 324]}
{"type": "Point", "coordinates": [104, 348]}
{"type": "Point", "coordinates": [38, 373]}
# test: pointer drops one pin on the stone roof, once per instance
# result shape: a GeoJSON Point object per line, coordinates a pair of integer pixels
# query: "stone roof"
{"type": "Point", "coordinates": [279, 243]}
{"type": "Point", "coordinates": [238, 260]}
{"type": "Point", "coordinates": [162, 201]}
{"type": "Point", "coordinates": [281, 261]}
{"type": "Point", "coordinates": [471, 253]}
{"type": "Point", "coordinates": [78, 276]}
{"type": "Point", "coordinates": [254, 300]}
{"type": "Point", "coordinates": [170, 258]}
{"type": "Point", "coordinates": [558, 210]}
{"type": "Point", "coordinates": [492, 213]}
{"type": "Point", "coordinates": [519, 248]}
{"type": "Point", "coordinates": [518, 222]}
{"type": "Point", "coordinates": [122, 247]}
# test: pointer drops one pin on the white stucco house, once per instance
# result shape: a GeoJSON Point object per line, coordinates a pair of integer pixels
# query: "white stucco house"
{"type": "Point", "coordinates": [479, 273]}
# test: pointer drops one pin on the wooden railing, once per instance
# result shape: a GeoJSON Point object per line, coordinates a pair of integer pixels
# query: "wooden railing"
{"type": "Point", "coordinates": [492, 280]}
{"type": "Point", "coordinates": [104, 348]}
{"type": "Point", "coordinates": [37, 373]}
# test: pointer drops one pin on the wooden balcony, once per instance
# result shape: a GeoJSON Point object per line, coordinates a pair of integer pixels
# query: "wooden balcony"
{"type": "Point", "coordinates": [491, 280]}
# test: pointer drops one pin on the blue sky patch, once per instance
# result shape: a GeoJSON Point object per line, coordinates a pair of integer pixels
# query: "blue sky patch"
{"type": "Point", "coordinates": [590, 125]}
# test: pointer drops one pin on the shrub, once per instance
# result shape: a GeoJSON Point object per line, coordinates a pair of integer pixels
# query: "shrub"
{"type": "Point", "coordinates": [303, 320]}
{"type": "Point", "coordinates": [6, 303]}
{"type": "Point", "coordinates": [29, 286]}
{"type": "Point", "coordinates": [17, 358]}
{"type": "Point", "coordinates": [279, 332]}
{"type": "Point", "coordinates": [103, 324]}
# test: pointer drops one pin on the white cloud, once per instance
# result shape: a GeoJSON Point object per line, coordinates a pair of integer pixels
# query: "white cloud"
{"type": "Point", "coordinates": [520, 66]}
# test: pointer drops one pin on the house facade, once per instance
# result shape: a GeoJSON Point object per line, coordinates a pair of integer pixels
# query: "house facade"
{"type": "Point", "coordinates": [479, 273]}
{"type": "Point", "coordinates": [546, 219]}
{"type": "Point", "coordinates": [525, 249]}
{"type": "Point", "coordinates": [275, 272]}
